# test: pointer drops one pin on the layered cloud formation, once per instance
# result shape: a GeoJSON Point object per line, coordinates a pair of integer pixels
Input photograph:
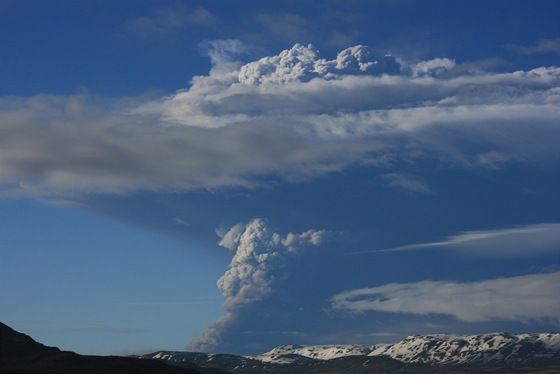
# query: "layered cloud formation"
{"type": "Point", "coordinates": [295, 116]}
{"type": "Point", "coordinates": [522, 298]}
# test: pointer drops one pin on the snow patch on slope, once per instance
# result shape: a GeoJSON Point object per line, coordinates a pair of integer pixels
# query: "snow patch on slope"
{"type": "Point", "coordinates": [470, 349]}
{"type": "Point", "coordinates": [287, 354]}
{"type": "Point", "coordinates": [484, 350]}
{"type": "Point", "coordinates": [437, 349]}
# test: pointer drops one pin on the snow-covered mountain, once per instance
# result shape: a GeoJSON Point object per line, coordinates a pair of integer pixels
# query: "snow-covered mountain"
{"type": "Point", "coordinates": [472, 351]}
{"type": "Point", "coordinates": [498, 349]}
{"type": "Point", "coordinates": [287, 354]}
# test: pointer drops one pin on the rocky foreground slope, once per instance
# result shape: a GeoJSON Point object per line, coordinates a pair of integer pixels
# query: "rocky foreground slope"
{"type": "Point", "coordinates": [20, 354]}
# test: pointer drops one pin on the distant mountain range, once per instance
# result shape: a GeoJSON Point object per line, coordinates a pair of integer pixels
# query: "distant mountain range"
{"type": "Point", "coordinates": [488, 353]}
{"type": "Point", "coordinates": [499, 352]}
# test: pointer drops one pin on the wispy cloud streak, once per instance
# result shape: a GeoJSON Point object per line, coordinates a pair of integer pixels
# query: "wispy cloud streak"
{"type": "Point", "coordinates": [542, 46]}
{"type": "Point", "coordinates": [523, 298]}
{"type": "Point", "coordinates": [522, 241]}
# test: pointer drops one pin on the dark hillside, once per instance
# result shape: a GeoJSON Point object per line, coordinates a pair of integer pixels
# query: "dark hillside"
{"type": "Point", "coordinates": [21, 354]}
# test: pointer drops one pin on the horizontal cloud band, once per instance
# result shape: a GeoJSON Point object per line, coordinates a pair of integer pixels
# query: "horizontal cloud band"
{"type": "Point", "coordinates": [223, 132]}
{"type": "Point", "coordinates": [522, 298]}
{"type": "Point", "coordinates": [530, 240]}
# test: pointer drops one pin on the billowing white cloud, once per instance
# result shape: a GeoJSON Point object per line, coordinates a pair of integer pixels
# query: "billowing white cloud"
{"type": "Point", "coordinates": [260, 263]}
{"type": "Point", "coordinates": [259, 260]}
{"type": "Point", "coordinates": [521, 241]}
{"type": "Point", "coordinates": [522, 298]}
{"type": "Point", "coordinates": [294, 116]}
{"type": "Point", "coordinates": [302, 63]}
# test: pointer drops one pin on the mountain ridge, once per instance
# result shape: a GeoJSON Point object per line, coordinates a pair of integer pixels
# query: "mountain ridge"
{"type": "Point", "coordinates": [437, 352]}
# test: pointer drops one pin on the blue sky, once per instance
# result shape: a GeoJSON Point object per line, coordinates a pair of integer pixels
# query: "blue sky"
{"type": "Point", "coordinates": [232, 176]}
